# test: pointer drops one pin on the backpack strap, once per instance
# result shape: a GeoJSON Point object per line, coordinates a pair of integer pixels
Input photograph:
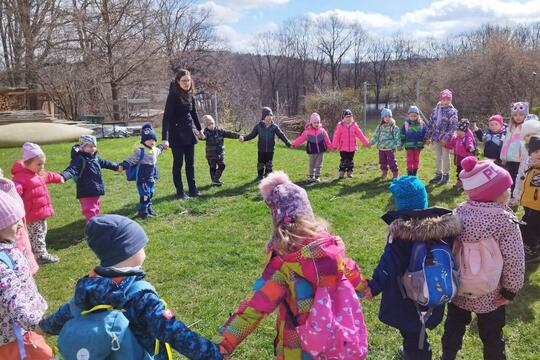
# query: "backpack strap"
{"type": "Point", "coordinates": [141, 157]}
{"type": "Point", "coordinates": [6, 260]}
{"type": "Point", "coordinates": [424, 317]}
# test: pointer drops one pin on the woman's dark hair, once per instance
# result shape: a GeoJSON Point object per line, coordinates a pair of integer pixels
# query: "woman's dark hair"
{"type": "Point", "coordinates": [183, 72]}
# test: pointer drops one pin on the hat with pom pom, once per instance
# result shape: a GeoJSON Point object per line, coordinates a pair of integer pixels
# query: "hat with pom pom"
{"type": "Point", "coordinates": [483, 180]}
{"type": "Point", "coordinates": [287, 200]}
{"type": "Point", "coordinates": [409, 193]}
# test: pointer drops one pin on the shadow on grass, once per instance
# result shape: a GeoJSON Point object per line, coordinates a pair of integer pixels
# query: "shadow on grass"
{"type": "Point", "coordinates": [521, 309]}
{"type": "Point", "coordinates": [66, 236]}
{"type": "Point", "coordinates": [448, 195]}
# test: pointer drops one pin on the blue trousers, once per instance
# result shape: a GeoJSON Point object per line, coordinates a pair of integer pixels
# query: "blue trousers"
{"type": "Point", "coordinates": [146, 192]}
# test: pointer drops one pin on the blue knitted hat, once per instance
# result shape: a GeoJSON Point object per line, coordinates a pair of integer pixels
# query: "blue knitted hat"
{"type": "Point", "coordinates": [386, 112]}
{"type": "Point", "coordinates": [147, 133]}
{"type": "Point", "coordinates": [265, 112]}
{"type": "Point", "coordinates": [414, 109]}
{"type": "Point", "coordinates": [409, 193]}
{"type": "Point", "coordinates": [114, 238]}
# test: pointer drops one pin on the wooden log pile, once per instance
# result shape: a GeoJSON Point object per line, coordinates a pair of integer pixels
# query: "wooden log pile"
{"type": "Point", "coordinates": [24, 116]}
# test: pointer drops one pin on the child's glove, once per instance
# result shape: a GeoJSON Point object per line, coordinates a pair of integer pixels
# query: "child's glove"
{"type": "Point", "coordinates": [120, 168]}
{"type": "Point", "coordinates": [241, 138]}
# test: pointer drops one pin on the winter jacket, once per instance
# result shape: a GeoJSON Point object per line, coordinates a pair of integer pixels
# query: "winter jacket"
{"type": "Point", "coordinates": [267, 142]}
{"type": "Point", "coordinates": [180, 120]}
{"type": "Point", "coordinates": [442, 124]}
{"type": "Point", "coordinates": [413, 134]}
{"type": "Point", "coordinates": [87, 167]}
{"type": "Point", "coordinates": [318, 140]}
{"type": "Point", "coordinates": [33, 191]}
{"type": "Point", "coordinates": [464, 146]}
{"type": "Point", "coordinates": [148, 168]}
{"type": "Point", "coordinates": [406, 227]}
{"type": "Point", "coordinates": [481, 219]}
{"type": "Point", "coordinates": [149, 319]}
{"type": "Point", "coordinates": [524, 165]}
{"type": "Point", "coordinates": [345, 137]}
{"type": "Point", "coordinates": [291, 279]}
{"type": "Point", "coordinates": [493, 142]}
{"type": "Point", "coordinates": [512, 149]}
{"type": "Point", "coordinates": [21, 302]}
{"type": "Point", "coordinates": [387, 136]}
{"type": "Point", "coordinates": [215, 147]}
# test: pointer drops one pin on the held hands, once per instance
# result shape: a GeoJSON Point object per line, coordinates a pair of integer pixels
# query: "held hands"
{"type": "Point", "coordinates": [165, 144]}
{"type": "Point", "coordinates": [120, 169]}
{"type": "Point", "coordinates": [241, 138]}
{"type": "Point", "coordinates": [500, 301]}
{"type": "Point", "coordinates": [200, 135]}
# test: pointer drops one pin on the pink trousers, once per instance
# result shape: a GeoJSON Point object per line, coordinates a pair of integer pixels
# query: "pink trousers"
{"type": "Point", "coordinates": [89, 207]}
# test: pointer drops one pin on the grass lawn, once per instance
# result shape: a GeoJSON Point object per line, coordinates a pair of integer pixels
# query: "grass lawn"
{"type": "Point", "coordinates": [204, 254]}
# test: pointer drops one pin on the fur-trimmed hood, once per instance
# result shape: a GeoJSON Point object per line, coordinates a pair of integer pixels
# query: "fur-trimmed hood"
{"type": "Point", "coordinates": [431, 224]}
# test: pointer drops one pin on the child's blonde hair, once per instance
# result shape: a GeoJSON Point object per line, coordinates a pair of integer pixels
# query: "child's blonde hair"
{"type": "Point", "coordinates": [288, 237]}
{"type": "Point", "coordinates": [207, 119]}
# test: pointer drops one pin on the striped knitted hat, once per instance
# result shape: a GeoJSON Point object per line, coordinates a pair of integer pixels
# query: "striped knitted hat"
{"type": "Point", "coordinates": [483, 180]}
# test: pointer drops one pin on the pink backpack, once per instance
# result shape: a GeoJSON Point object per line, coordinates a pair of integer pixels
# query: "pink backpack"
{"type": "Point", "coordinates": [480, 265]}
{"type": "Point", "coordinates": [335, 327]}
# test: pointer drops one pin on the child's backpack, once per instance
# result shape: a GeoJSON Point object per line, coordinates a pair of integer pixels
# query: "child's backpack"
{"type": "Point", "coordinates": [530, 197]}
{"type": "Point", "coordinates": [132, 172]}
{"type": "Point", "coordinates": [103, 333]}
{"type": "Point", "coordinates": [480, 265]}
{"type": "Point", "coordinates": [430, 279]}
{"type": "Point", "coordinates": [75, 153]}
{"type": "Point", "coordinates": [335, 327]}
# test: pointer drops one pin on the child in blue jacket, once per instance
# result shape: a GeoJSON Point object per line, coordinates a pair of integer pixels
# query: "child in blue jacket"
{"type": "Point", "coordinates": [119, 243]}
{"type": "Point", "coordinates": [412, 221]}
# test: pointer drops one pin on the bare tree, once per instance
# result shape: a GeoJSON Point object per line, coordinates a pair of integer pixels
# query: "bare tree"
{"type": "Point", "coordinates": [379, 55]}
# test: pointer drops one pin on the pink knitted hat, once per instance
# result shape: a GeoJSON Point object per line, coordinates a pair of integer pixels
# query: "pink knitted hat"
{"type": "Point", "coordinates": [498, 119]}
{"type": "Point", "coordinates": [31, 150]}
{"type": "Point", "coordinates": [483, 180]}
{"type": "Point", "coordinates": [11, 205]}
{"type": "Point", "coordinates": [314, 117]}
{"type": "Point", "coordinates": [445, 95]}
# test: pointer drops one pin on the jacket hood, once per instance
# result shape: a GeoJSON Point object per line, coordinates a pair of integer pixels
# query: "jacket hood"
{"type": "Point", "coordinates": [427, 225]}
{"type": "Point", "coordinates": [18, 168]}
{"type": "Point", "coordinates": [91, 291]}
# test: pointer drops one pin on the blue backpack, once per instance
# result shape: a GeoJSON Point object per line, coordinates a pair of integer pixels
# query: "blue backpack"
{"type": "Point", "coordinates": [103, 333]}
{"type": "Point", "coordinates": [430, 279]}
{"type": "Point", "coordinates": [132, 172]}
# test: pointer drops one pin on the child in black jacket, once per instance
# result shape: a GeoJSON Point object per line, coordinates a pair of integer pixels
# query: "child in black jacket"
{"type": "Point", "coordinates": [493, 138]}
{"type": "Point", "coordinates": [215, 148]}
{"type": "Point", "coordinates": [267, 130]}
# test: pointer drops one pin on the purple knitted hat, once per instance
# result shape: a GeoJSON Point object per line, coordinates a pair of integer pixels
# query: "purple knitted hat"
{"type": "Point", "coordinates": [287, 200]}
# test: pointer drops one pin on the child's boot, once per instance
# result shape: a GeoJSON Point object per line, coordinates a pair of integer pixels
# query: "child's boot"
{"type": "Point", "coordinates": [384, 175]}
{"type": "Point", "coordinates": [437, 178]}
{"type": "Point", "coordinates": [143, 213]}
{"type": "Point", "coordinates": [444, 179]}
{"type": "Point", "coordinates": [410, 172]}
{"type": "Point", "coordinates": [317, 179]}
{"type": "Point", "coordinates": [152, 212]}
{"type": "Point", "coordinates": [415, 171]}
{"type": "Point", "coordinates": [350, 174]}
{"type": "Point", "coordinates": [341, 174]}
{"type": "Point", "coordinates": [260, 171]}
{"type": "Point", "coordinates": [47, 259]}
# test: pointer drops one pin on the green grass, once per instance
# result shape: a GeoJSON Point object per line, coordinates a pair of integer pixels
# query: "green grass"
{"type": "Point", "coordinates": [204, 254]}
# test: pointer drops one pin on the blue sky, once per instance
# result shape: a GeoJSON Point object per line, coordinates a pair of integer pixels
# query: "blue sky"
{"type": "Point", "coordinates": [238, 21]}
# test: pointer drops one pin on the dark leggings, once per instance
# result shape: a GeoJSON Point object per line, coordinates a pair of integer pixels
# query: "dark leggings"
{"type": "Point", "coordinates": [513, 169]}
{"type": "Point", "coordinates": [179, 153]}
{"type": "Point", "coordinates": [347, 161]}
{"type": "Point", "coordinates": [264, 163]}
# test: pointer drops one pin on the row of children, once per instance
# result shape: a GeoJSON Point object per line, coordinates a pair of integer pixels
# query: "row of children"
{"type": "Point", "coordinates": [307, 268]}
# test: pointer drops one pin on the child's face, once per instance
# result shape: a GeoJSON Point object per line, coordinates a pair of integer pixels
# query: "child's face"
{"type": "Point", "coordinates": [36, 165]}
{"type": "Point", "coordinates": [494, 126]}
{"type": "Point", "coordinates": [413, 116]}
{"type": "Point", "coordinates": [10, 233]}
{"type": "Point", "coordinates": [315, 124]}
{"type": "Point", "coordinates": [535, 155]}
{"type": "Point", "coordinates": [150, 143]}
{"type": "Point", "coordinates": [268, 119]}
{"type": "Point", "coordinates": [460, 133]}
{"type": "Point", "coordinates": [504, 198]}
{"type": "Point", "coordinates": [348, 119]}
{"type": "Point", "coordinates": [386, 119]}
{"type": "Point", "coordinates": [89, 148]}
{"type": "Point", "coordinates": [445, 102]}
{"type": "Point", "coordinates": [519, 117]}
{"type": "Point", "coordinates": [210, 125]}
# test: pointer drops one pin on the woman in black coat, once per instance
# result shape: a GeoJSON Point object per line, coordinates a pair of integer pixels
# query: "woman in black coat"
{"type": "Point", "coordinates": [181, 131]}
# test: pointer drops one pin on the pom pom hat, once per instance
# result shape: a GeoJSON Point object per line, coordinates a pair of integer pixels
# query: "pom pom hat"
{"type": "Point", "coordinates": [287, 200]}
{"type": "Point", "coordinates": [483, 180]}
{"type": "Point", "coordinates": [409, 193]}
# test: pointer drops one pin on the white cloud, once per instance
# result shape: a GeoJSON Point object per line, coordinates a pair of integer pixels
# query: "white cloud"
{"type": "Point", "coordinates": [250, 4]}
{"type": "Point", "coordinates": [221, 14]}
{"type": "Point", "coordinates": [367, 20]}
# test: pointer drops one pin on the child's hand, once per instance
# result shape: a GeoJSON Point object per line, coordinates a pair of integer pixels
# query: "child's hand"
{"type": "Point", "coordinates": [120, 168]}
{"type": "Point", "coordinates": [500, 301]}
{"type": "Point", "coordinates": [474, 127]}
{"type": "Point", "coordinates": [38, 330]}
{"type": "Point", "coordinates": [241, 138]}
{"type": "Point", "coordinates": [367, 294]}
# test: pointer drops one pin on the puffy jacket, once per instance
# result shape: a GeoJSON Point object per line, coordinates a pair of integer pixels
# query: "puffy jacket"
{"type": "Point", "coordinates": [387, 136]}
{"type": "Point", "coordinates": [345, 137]}
{"type": "Point", "coordinates": [442, 124]}
{"type": "Point", "coordinates": [493, 142]}
{"type": "Point", "coordinates": [405, 227]}
{"type": "Point", "coordinates": [21, 302]}
{"type": "Point", "coordinates": [180, 120]}
{"type": "Point", "coordinates": [512, 149]}
{"type": "Point", "coordinates": [215, 147]}
{"type": "Point", "coordinates": [464, 146]}
{"type": "Point", "coordinates": [291, 279]}
{"type": "Point", "coordinates": [148, 168]}
{"type": "Point", "coordinates": [481, 219]}
{"type": "Point", "coordinates": [413, 134]}
{"type": "Point", "coordinates": [267, 142]}
{"type": "Point", "coordinates": [87, 167]}
{"type": "Point", "coordinates": [318, 140]}
{"type": "Point", "coordinates": [148, 317]}
{"type": "Point", "coordinates": [33, 191]}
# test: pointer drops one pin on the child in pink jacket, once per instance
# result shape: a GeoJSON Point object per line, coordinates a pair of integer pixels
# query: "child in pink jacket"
{"type": "Point", "coordinates": [464, 145]}
{"type": "Point", "coordinates": [486, 217]}
{"type": "Point", "coordinates": [345, 141]}
{"type": "Point", "coordinates": [31, 181]}
{"type": "Point", "coordinates": [318, 143]}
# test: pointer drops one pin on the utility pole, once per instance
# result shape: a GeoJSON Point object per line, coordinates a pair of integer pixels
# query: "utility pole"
{"type": "Point", "coordinates": [365, 104]}
{"type": "Point", "coordinates": [215, 107]}
{"type": "Point", "coordinates": [418, 93]}
{"type": "Point", "coordinates": [277, 106]}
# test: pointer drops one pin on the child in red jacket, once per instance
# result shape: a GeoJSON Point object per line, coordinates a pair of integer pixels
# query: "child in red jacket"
{"type": "Point", "coordinates": [345, 136]}
{"type": "Point", "coordinates": [31, 181]}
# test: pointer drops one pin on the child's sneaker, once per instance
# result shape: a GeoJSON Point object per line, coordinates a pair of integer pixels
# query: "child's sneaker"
{"type": "Point", "coordinates": [437, 178]}
{"type": "Point", "coordinates": [47, 259]}
{"type": "Point", "coordinates": [341, 174]}
{"type": "Point", "coordinates": [317, 179]}
{"type": "Point", "coordinates": [217, 182]}
{"type": "Point", "coordinates": [350, 174]}
{"type": "Point", "coordinates": [152, 212]}
{"type": "Point", "coordinates": [444, 179]}
{"type": "Point", "coordinates": [143, 214]}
